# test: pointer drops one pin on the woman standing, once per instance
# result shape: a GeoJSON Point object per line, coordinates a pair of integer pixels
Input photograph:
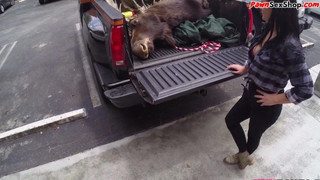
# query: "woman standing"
{"type": "Point", "coordinates": [275, 56]}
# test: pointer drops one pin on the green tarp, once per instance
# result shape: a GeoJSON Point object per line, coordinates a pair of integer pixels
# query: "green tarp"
{"type": "Point", "coordinates": [207, 29]}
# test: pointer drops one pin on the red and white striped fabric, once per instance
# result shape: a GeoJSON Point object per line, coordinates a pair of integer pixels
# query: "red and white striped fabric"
{"type": "Point", "coordinates": [206, 47]}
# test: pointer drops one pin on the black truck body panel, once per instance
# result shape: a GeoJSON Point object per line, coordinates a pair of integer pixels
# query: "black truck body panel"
{"type": "Point", "coordinates": [96, 29]}
{"type": "Point", "coordinates": [124, 96]}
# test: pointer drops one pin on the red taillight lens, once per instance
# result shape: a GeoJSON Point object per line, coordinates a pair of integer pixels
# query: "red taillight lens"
{"type": "Point", "coordinates": [117, 46]}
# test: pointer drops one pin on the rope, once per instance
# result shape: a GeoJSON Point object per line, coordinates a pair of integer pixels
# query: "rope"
{"type": "Point", "coordinates": [206, 47]}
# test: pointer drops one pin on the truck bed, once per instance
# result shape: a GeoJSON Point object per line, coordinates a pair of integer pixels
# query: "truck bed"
{"type": "Point", "coordinates": [162, 55]}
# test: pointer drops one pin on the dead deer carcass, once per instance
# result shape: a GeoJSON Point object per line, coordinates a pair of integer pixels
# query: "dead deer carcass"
{"type": "Point", "coordinates": [158, 20]}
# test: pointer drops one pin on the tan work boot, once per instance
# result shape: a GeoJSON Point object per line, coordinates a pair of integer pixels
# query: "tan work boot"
{"type": "Point", "coordinates": [232, 159]}
{"type": "Point", "coordinates": [245, 160]}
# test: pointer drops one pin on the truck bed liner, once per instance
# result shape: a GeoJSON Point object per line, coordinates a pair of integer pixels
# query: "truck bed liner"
{"type": "Point", "coordinates": [167, 81]}
{"type": "Point", "coordinates": [162, 54]}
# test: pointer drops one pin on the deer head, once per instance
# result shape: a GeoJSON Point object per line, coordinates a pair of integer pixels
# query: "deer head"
{"type": "Point", "coordinates": [147, 26]}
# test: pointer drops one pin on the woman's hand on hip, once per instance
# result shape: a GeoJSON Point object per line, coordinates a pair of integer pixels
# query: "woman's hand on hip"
{"type": "Point", "coordinates": [237, 69]}
{"type": "Point", "coordinates": [266, 99]}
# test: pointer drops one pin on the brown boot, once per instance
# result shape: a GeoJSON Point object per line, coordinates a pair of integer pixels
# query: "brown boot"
{"type": "Point", "coordinates": [245, 160]}
{"type": "Point", "coordinates": [232, 159]}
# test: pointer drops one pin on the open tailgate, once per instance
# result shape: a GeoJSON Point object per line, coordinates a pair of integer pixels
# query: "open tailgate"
{"type": "Point", "coordinates": [167, 81]}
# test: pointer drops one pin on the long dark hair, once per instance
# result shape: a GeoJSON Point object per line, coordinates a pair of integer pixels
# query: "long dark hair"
{"type": "Point", "coordinates": [286, 21]}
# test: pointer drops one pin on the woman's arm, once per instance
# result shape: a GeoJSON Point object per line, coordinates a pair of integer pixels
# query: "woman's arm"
{"type": "Point", "coordinates": [299, 77]}
{"type": "Point", "coordinates": [298, 73]}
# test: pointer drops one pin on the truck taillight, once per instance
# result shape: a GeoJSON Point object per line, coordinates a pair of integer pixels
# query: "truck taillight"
{"type": "Point", "coordinates": [117, 46]}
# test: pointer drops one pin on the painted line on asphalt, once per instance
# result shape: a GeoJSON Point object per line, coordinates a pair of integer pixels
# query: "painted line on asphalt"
{"type": "Point", "coordinates": [308, 45]}
{"type": "Point", "coordinates": [315, 30]}
{"type": "Point", "coordinates": [316, 22]}
{"type": "Point", "coordinates": [303, 40]}
{"type": "Point", "coordinates": [308, 37]}
{"type": "Point", "coordinates": [6, 57]}
{"type": "Point", "coordinates": [36, 126]}
{"type": "Point", "coordinates": [78, 26]}
{"type": "Point", "coordinates": [3, 48]}
{"type": "Point", "coordinates": [95, 99]}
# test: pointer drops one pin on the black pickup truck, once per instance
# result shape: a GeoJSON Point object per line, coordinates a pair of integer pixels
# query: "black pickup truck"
{"type": "Point", "coordinates": [168, 73]}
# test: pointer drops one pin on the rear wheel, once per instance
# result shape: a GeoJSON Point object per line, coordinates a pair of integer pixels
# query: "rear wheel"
{"type": "Point", "coordinates": [42, 1]}
{"type": "Point", "coordinates": [1, 9]}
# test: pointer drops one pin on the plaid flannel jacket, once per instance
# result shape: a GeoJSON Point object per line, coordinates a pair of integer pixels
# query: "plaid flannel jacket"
{"type": "Point", "coordinates": [271, 71]}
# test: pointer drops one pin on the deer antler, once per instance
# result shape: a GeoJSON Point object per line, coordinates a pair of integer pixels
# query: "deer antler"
{"type": "Point", "coordinates": [114, 4]}
{"type": "Point", "coordinates": [131, 5]}
{"type": "Point", "coordinates": [144, 4]}
{"type": "Point", "coordinates": [134, 6]}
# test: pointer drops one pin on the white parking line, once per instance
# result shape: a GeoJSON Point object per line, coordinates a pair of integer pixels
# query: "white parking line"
{"type": "Point", "coordinates": [315, 30]}
{"type": "Point", "coordinates": [308, 37]}
{"type": "Point", "coordinates": [7, 55]}
{"type": "Point", "coordinates": [316, 22]}
{"type": "Point", "coordinates": [95, 99]}
{"type": "Point", "coordinates": [305, 43]}
{"type": "Point", "coordinates": [308, 44]}
{"type": "Point", "coordinates": [303, 40]}
{"type": "Point", "coordinates": [78, 26]}
{"type": "Point", "coordinates": [3, 48]}
{"type": "Point", "coordinates": [29, 128]}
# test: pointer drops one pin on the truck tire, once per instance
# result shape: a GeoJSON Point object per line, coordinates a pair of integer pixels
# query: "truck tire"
{"type": "Point", "coordinates": [42, 1]}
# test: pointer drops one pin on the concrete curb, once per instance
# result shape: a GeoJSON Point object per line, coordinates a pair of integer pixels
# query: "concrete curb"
{"type": "Point", "coordinates": [36, 126]}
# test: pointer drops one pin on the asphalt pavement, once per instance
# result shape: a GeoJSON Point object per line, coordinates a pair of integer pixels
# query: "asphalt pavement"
{"type": "Point", "coordinates": [194, 147]}
{"type": "Point", "coordinates": [43, 74]}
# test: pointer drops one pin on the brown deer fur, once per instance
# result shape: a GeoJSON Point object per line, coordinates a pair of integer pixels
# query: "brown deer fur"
{"type": "Point", "coordinates": [158, 20]}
